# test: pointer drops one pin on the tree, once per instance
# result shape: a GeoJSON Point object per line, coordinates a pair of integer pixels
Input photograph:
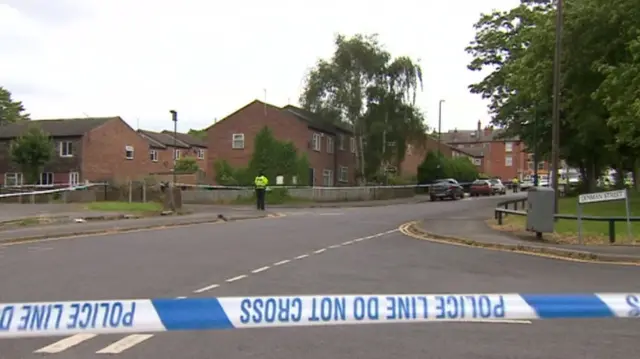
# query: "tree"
{"type": "Point", "coordinates": [31, 151]}
{"type": "Point", "coordinates": [518, 46]}
{"type": "Point", "coordinates": [10, 110]}
{"type": "Point", "coordinates": [436, 166]}
{"type": "Point", "coordinates": [201, 134]}
{"type": "Point", "coordinates": [187, 165]}
{"type": "Point", "coordinates": [362, 86]}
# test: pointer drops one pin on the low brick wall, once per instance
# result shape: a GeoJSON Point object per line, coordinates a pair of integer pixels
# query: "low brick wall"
{"type": "Point", "coordinates": [317, 194]}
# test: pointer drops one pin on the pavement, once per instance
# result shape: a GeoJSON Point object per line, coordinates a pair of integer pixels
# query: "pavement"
{"type": "Point", "coordinates": [471, 228]}
{"type": "Point", "coordinates": [311, 251]}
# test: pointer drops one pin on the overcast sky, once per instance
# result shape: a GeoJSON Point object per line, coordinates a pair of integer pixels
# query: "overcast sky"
{"type": "Point", "coordinates": [140, 58]}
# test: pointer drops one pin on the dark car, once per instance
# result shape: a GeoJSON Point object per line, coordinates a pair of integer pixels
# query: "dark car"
{"type": "Point", "coordinates": [481, 188]}
{"type": "Point", "coordinates": [446, 188]}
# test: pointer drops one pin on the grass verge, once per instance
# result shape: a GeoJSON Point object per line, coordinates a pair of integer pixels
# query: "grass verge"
{"type": "Point", "coordinates": [566, 231]}
{"type": "Point", "coordinates": [125, 207]}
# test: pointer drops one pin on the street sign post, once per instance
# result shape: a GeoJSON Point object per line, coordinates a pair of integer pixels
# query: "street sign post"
{"type": "Point", "coordinates": [604, 197]}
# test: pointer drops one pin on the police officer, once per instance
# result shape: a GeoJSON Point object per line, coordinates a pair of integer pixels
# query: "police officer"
{"type": "Point", "coordinates": [261, 182]}
{"type": "Point", "coordinates": [516, 184]}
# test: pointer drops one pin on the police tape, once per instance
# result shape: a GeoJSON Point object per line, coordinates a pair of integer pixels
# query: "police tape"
{"type": "Point", "coordinates": [159, 315]}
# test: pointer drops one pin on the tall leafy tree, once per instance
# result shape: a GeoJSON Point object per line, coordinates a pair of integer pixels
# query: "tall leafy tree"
{"type": "Point", "coordinates": [10, 110]}
{"type": "Point", "coordinates": [362, 85]}
{"type": "Point", "coordinates": [31, 152]}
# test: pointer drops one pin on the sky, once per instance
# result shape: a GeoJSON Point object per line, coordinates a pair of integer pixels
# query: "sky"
{"type": "Point", "coordinates": [138, 59]}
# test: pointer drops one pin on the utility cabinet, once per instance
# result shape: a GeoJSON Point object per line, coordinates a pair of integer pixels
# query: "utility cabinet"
{"type": "Point", "coordinates": [540, 211]}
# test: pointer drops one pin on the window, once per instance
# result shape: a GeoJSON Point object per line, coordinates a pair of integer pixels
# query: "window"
{"type": "Point", "coordinates": [200, 154]}
{"type": "Point", "coordinates": [530, 165]}
{"type": "Point", "coordinates": [540, 165]}
{"type": "Point", "coordinates": [327, 178]}
{"type": "Point", "coordinates": [46, 179]}
{"type": "Point", "coordinates": [237, 141]}
{"type": "Point", "coordinates": [128, 152]}
{"type": "Point", "coordinates": [508, 146]}
{"type": "Point", "coordinates": [343, 175]}
{"type": "Point", "coordinates": [508, 161]}
{"type": "Point", "coordinates": [176, 154]}
{"type": "Point", "coordinates": [341, 142]}
{"type": "Point", "coordinates": [74, 179]}
{"type": "Point", "coordinates": [409, 150]}
{"type": "Point", "coordinates": [66, 149]}
{"type": "Point", "coordinates": [315, 142]}
{"type": "Point", "coordinates": [353, 145]}
{"type": "Point", "coordinates": [13, 179]}
{"type": "Point", "coordinates": [477, 161]}
{"type": "Point", "coordinates": [153, 155]}
{"type": "Point", "coordinates": [330, 148]}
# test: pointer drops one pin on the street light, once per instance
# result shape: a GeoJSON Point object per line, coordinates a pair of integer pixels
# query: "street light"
{"type": "Point", "coordinates": [174, 118]}
{"type": "Point", "coordinates": [440, 125]}
{"type": "Point", "coordinates": [555, 126]}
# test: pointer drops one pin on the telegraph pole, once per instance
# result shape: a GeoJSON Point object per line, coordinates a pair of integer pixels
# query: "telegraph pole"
{"type": "Point", "coordinates": [555, 128]}
{"type": "Point", "coordinates": [439, 125]}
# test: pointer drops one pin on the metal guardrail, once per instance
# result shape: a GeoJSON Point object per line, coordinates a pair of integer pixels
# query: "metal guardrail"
{"type": "Point", "coordinates": [503, 210]}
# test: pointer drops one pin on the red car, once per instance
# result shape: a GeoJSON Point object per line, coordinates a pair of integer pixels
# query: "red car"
{"type": "Point", "coordinates": [481, 188]}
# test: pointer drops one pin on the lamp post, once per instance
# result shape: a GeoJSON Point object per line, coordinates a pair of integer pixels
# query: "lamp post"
{"type": "Point", "coordinates": [174, 118]}
{"type": "Point", "coordinates": [555, 127]}
{"type": "Point", "coordinates": [439, 125]}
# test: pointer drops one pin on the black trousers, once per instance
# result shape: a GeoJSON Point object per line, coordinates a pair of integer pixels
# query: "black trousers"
{"type": "Point", "coordinates": [260, 198]}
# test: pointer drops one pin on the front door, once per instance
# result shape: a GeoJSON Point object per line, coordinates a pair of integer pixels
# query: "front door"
{"type": "Point", "coordinates": [74, 179]}
{"type": "Point", "coordinates": [312, 176]}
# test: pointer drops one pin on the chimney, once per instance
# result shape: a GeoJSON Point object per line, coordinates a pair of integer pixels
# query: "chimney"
{"type": "Point", "coordinates": [479, 126]}
{"type": "Point", "coordinates": [488, 130]}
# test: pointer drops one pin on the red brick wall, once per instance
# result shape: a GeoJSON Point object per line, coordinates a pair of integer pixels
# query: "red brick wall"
{"type": "Point", "coordinates": [104, 153]}
{"type": "Point", "coordinates": [165, 158]}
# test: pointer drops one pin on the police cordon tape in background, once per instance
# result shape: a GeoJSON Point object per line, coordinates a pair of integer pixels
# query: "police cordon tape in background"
{"type": "Point", "coordinates": [159, 315]}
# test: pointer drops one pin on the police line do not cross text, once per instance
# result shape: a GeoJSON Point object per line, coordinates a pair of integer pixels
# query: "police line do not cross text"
{"type": "Point", "coordinates": [337, 309]}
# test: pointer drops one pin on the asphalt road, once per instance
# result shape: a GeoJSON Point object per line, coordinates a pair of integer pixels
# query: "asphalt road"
{"type": "Point", "coordinates": [191, 261]}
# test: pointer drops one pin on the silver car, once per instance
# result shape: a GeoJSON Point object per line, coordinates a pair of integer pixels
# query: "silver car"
{"type": "Point", "coordinates": [497, 186]}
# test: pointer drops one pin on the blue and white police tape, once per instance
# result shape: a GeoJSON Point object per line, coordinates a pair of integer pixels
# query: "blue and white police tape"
{"type": "Point", "coordinates": [158, 315]}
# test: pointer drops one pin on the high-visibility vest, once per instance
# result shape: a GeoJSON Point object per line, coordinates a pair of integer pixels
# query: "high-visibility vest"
{"type": "Point", "coordinates": [261, 182]}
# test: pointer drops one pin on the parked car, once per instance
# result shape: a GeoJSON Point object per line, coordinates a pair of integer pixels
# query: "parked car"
{"type": "Point", "coordinates": [446, 188]}
{"type": "Point", "coordinates": [481, 188]}
{"type": "Point", "coordinates": [497, 186]}
{"type": "Point", "coordinates": [525, 185]}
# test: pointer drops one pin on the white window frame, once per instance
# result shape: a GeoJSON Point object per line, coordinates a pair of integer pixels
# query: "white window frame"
{"type": "Point", "coordinates": [237, 141]}
{"type": "Point", "coordinates": [316, 145]}
{"type": "Point", "coordinates": [540, 166]}
{"type": "Point", "coordinates": [352, 143]}
{"type": "Point", "coordinates": [128, 149]}
{"type": "Point", "coordinates": [508, 147]}
{"type": "Point", "coordinates": [74, 179]}
{"type": "Point", "coordinates": [47, 175]}
{"type": "Point", "coordinates": [200, 154]}
{"type": "Point", "coordinates": [530, 165]}
{"type": "Point", "coordinates": [508, 161]}
{"type": "Point", "coordinates": [327, 178]}
{"type": "Point", "coordinates": [477, 161]}
{"type": "Point", "coordinates": [17, 179]}
{"type": "Point", "coordinates": [176, 154]}
{"type": "Point", "coordinates": [66, 149]}
{"type": "Point", "coordinates": [330, 146]}
{"type": "Point", "coordinates": [153, 155]}
{"type": "Point", "coordinates": [341, 142]}
{"type": "Point", "coordinates": [343, 175]}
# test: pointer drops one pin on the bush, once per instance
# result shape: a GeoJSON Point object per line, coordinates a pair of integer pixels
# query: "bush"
{"type": "Point", "coordinates": [436, 167]}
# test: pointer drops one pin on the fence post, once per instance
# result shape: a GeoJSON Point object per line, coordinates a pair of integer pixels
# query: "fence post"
{"type": "Point", "coordinates": [515, 205]}
{"type": "Point", "coordinates": [499, 218]}
{"type": "Point", "coordinates": [612, 231]}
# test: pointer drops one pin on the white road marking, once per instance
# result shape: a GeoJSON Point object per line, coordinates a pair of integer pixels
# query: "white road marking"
{"type": "Point", "coordinates": [281, 262]}
{"type": "Point", "coordinates": [260, 269]}
{"type": "Point", "coordinates": [334, 246]}
{"type": "Point", "coordinates": [65, 343]}
{"type": "Point", "coordinates": [236, 278]}
{"type": "Point", "coordinates": [181, 297]}
{"type": "Point", "coordinates": [301, 256]}
{"type": "Point", "coordinates": [124, 344]}
{"type": "Point", "coordinates": [320, 251]}
{"type": "Point", "coordinates": [347, 243]}
{"type": "Point", "coordinates": [204, 289]}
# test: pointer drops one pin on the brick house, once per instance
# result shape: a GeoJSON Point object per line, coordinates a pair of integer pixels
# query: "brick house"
{"type": "Point", "coordinates": [163, 148]}
{"type": "Point", "coordinates": [496, 156]}
{"type": "Point", "coordinates": [415, 154]}
{"type": "Point", "coordinates": [93, 149]}
{"type": "Point", "coordinates": [330, 149]}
